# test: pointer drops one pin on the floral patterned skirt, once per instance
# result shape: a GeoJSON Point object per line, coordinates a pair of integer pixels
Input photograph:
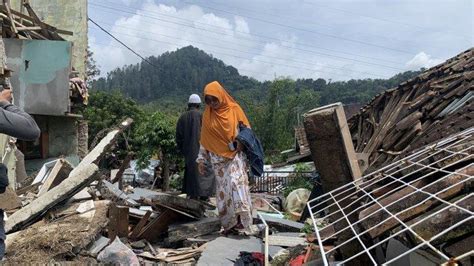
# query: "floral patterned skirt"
{"type": "Point", "coordinates": [232, 189]}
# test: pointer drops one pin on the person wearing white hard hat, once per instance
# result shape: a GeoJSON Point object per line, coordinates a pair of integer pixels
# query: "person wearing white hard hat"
{"type": "Point", "coordinates": [188, 131]}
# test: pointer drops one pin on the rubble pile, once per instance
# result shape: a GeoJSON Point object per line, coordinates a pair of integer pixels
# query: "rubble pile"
{"type": "Point", "coordinates": [86, 215]}
{"type": "Point", "coordinates": [420, 111]}
{"type": "Point", "coordinates": [77, 214]}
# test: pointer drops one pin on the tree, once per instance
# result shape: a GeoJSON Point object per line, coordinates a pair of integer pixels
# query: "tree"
{"type": "Point", "coordinates": [106, 110]}
{"type": "Point", "coordinates": [156, 137]}
{"type": "Point", "coordinates": [92, 69]}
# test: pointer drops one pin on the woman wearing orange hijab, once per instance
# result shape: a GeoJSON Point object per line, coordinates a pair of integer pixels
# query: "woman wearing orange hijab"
{"type": "Point", "coordinates": [220, 124]}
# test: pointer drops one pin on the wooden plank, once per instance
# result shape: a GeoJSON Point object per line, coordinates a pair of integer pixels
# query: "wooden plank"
{"type": "Point", "coordinates": [28, 28]}
{"type": "Point", "coordinates": [37, 20]}
{"type": "Point", "coordinates": [408, 137]}
{"type": "Point", "coordinates": [180, 232]}
{"type": "Point", "coordinates": [285, 241]}
{"type": "Point", "coordinates": [29, 188]}
{"type": "Point", "coordinates": [165, 207]}
{"type": "Point", "coordinates": [31, 22]}
{"type": "Point", "coordinates": [186, 255]}
{"type": "Point", "coordinates": [125, 164]}
{"type": "Point", "coordinates": [138, 228]}
{"type": "Point", "coordinates": [408, 121]}
{"type": "Point", "coordinates": [6, 3]}
{"type": "Point", "coordinates": [153, 230]}
{"type": "Point", "coordinates": [118, 221]}
{"type": "Point", "coordinates": [439, 222]}
{"type": "Point", "coordinates": [372, 215]}
{"type": "Point", "coordinates": [59, 173]}
{"type": "Point", "coordinates": [193, 207]}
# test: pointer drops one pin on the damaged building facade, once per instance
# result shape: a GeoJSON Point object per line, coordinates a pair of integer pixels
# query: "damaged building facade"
{"type": "Point", "coordinates": [41, 71]}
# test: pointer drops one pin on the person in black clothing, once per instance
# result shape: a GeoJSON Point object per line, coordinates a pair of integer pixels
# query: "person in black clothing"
{"type": "Point", "coordinates": [16, 123]}
{"type": "Point", "coordinates": [188, 132]}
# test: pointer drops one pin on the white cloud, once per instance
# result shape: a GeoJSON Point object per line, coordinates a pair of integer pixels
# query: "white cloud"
{"type": "Point", "coordinates": [422, 60]}
{"type": "Point", "coordinates": [227, 35]}
{"type": "Point", "coordinates": [158, 28]}
{"type": "Point", "coordinates": [241, 25]}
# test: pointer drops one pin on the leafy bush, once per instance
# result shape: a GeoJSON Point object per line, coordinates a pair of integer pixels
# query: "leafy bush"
{"type": "Point", "coordinates": [300, 180]}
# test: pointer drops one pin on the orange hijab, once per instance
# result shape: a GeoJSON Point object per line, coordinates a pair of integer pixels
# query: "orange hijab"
{"type": "Point", "coordinates": [219, 127]}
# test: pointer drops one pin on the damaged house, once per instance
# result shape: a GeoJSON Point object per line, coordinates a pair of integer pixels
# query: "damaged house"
{"type": "Point", "coordinates": [414, 204]}
{"type": "Point", "coordinates": [41, 58]}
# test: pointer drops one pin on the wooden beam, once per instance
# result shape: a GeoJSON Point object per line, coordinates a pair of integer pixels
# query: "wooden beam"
{"type": "Point", "coordinates": [154, 230]}
{"type": "Point", "coordinates": [28, 188]}
{"type": "Point", "coordinates": [180, 232]}
{"type": "Point", "coordinates": [370, 221]}
{"type": "Point", "coordinates": [439, 222]}
{"type": "Point", "coordinates": [408, 121]}
{"type": "Point", "coordinates": [37, 20]}
{"type": "Point", "coordinates": [193, 207]}
{"type": "Point", "coordinates": [331, 146]}
{"type": "Point", "coordinates": [28, 28]}
{"type": "Point", "coordinates": [138, 228]}
{"type": "Point", "coordinates": [6, 3]}
{"type": "Point", "coordinates": [125, 164]}
{"type": "Point", "coordinates": [118, 221]}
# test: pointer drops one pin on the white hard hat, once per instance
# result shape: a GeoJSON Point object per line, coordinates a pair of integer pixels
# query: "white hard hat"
{"type": "Point", "coordinates": [194, 98]}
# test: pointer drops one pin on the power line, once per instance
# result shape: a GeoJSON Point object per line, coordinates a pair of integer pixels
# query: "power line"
{"type": "Point", "coordinates": [119, 41]}
{"type": "Point", "coordinates": [241, 51]}
{"type": "Point", "coordinates": [241, 57]}
{"type": "Point", "coordinates": [282, 45]}
{"type": "Point", "coordinates": [177, 47]}
{"type": "Point", "coordinates": [381, 19]}
{"type": "Point", "coordinates": [293, 19]}
{"type": "Point", "coordinates": [309, 31]}
{"type": "Point", "coordinates": [193, 26]}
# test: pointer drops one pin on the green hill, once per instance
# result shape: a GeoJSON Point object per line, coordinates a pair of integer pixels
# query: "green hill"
{"type": "Point", "coordinates": [175, 75]}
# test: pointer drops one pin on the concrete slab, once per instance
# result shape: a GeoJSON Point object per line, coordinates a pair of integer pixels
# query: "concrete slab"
{"type": "Point", "coordinates": [98, 246]}
{"type": "Point", "coordinates": [224, 250]}
{"type": "Point", "coordinates": [139, 193]}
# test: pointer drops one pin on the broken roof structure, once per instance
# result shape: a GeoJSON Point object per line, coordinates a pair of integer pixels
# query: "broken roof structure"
{"type": "Point", "coordinates": [416, 202]}
{"type": "Point", "coordinates": [418, 112]}
{"type": "Point", "coordinates": [421, 199]}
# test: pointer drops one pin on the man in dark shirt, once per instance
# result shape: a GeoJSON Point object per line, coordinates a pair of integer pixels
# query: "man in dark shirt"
{"type": "Point", "coordinates": [188, 132]}
{"type": "Point", "coordinates": [16, 123]}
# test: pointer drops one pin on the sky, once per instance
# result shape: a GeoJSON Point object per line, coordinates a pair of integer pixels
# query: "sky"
{"type": "Point", "coordinates": [265, 39]}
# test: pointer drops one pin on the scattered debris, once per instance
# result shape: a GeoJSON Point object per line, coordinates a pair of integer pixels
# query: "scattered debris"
{"type": "Point", "coordinates": [59, 239]}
